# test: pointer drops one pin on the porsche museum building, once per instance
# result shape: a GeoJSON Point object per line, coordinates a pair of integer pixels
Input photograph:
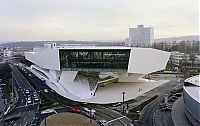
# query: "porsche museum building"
{"type": "Point", "coordinates": [191, 97]}
{"type": "Point", "coordinates": [61, 67]}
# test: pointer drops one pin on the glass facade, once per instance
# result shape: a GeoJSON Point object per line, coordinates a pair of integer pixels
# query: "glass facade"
{"type": "Point", "coordinates": [94, 60]}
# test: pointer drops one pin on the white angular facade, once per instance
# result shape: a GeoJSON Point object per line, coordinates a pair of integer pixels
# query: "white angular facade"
{"type": "Point", "coordinates": [59, 66]}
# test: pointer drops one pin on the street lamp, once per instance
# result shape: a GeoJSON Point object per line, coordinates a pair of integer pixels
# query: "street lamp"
{"type": "Point", "coordinates": [90, 114]}
{"type": "Point", "coordinates": [12, 88]}
{"type": "Point", "coordinates": [123, 93]}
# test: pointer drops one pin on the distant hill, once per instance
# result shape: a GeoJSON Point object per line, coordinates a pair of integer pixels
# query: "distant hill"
{"type": "Point", "coordinates": [179, 38]}
{"type": "Point", "coordinates": [31, 44]}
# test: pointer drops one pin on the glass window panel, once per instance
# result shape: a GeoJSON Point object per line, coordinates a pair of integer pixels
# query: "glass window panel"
{"type": "Point", "coordinates": [96, 60]}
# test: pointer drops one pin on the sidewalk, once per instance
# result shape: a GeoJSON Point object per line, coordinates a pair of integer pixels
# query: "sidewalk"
{"type": "Point", "coordinates": [2, 106]}
{"type": "Point", "coordinates": [178, 115]}
{"type": "Point", "coordinates": [11, 106]}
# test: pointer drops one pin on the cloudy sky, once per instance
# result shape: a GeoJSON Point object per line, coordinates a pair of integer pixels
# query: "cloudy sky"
{"type": "Point", "coordinates": [94, 19]}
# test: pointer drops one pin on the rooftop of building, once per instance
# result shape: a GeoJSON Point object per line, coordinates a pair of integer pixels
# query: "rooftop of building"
{"type": "Point", "coordinates": [193, 91]}
{"type": "Point", "coordinates": [81, 46]}
{"type": "Point", "coordinates": [194, 80]}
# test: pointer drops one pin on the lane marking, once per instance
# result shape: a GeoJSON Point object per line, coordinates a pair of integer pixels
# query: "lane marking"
{"type": "Point", "coordinates": [19, 114]}
{"type": "Point", "coordinates": [25, 118]}
{"type": "Point", "coordinates": [26, 105]}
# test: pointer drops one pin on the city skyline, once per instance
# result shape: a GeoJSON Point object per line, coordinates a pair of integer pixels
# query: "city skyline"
{"type": "Point", "coordinates": [95, 20]}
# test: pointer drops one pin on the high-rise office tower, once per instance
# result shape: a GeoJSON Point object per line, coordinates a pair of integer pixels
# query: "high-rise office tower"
{"type": "Point", "coordinates": [141, 36]}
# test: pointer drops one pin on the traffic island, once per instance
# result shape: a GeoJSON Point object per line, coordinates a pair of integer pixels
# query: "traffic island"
{"type": "Point", "coordinates": [67, 119]}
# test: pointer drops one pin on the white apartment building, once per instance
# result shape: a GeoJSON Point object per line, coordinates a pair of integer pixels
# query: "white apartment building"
{"type": "Point", "coordinates": [176, 57]}
{"type": "Point", "coordinates": [7, 53]}
{"type": "Point", "coordinates": [141, 36]}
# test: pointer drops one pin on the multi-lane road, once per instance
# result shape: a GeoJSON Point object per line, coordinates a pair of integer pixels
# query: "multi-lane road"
{"type": "Point", "coordinates": [116, 118]}
{"type": "Point", "coordinates": [23, 110]}
{"type": "Point", "coordinates": [101, 112]}
{"type": "Point", "coordinates": [26, 112]}
{"type": "Point", "coordinates": [152, 115]}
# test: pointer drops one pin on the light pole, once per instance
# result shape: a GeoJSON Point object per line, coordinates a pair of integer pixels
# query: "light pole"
{"type": "Point", "coordinates": [90, 114]}
{"type": "Point", "coordinates": [12, 86]}
{"type": "Point", "coordinates": [123, 93]}
{"type": "Point", "coordinates": [45, 122]}
{"type": "Point", "coordinates": [40, 97]}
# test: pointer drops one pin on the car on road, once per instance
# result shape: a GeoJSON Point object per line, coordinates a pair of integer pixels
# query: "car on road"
{"type": "Point", "coordinates": [174, 97]}
{"type": "Point", "coordinates": [45, 90]}
{"type": "Point", "coordinates": [29, 101]}
{"type": "Point", "coordinates": [3, 84]}
{"type": "Point", "coordinates": [52, 91]}
{"type": "Point", "coordinates": [174, 90]}
{"type": "Point", "coordinates": [36, 99]}
{"type": "Point", "coordinates": [27, 92]}
{"type": "Point", "coordinates": [28, 97]}
{"type": "Point", "coordinates": [103, 122]}
{"type": "Point", "coordinates": [116, 104]}
{"type": "Point", "coordinates": [164, 105]}
{"type": "Point", "coordinates": [34, 94]}
{"type": "Point", "coordinates": [171, 100]}
{"type": "Point", "coordinates": [168, 108]}
{"type": "Point", "coordinates": [90, 112]}
{"type": "Point", "coordinates": [47, 111]}
{"type": "Point", "coordinates": [35, 121]}
{"type": "Point", "coordinates": [74, 110]}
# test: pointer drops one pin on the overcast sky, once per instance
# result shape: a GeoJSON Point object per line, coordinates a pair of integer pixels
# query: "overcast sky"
{"type": "Point", "coordinates": [95, 19]}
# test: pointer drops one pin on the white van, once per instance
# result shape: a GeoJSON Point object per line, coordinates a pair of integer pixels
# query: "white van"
{"type": "Point", "coordinates": [90, 112]}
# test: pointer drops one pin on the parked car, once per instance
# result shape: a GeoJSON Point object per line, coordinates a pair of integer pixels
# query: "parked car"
{"type": "Point", "coordinates": [171, 100]}
{"type": "Point", "coordinates": [178, 95]}
{"type": "Point", "coordinates": [168, 109]}
{"type": "Point", "coordinates": [174, 97]}
{"type": "Point", "coordinates": [27, 92]}
{"type": "Point", "coordinates": [174, 90]}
